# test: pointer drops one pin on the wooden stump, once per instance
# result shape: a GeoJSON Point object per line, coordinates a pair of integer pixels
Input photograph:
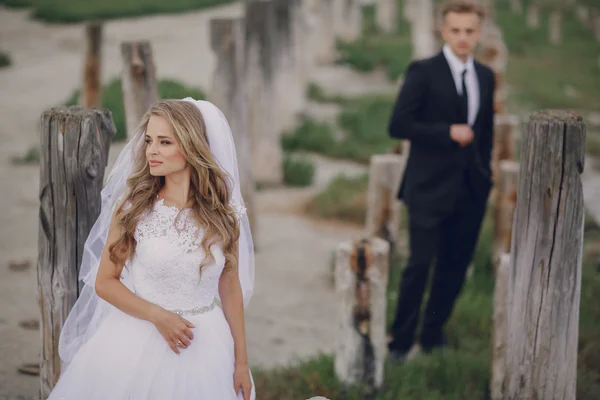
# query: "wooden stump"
{"type": "Point", "coordinates": [505, 129]}
{"type": "Point", "coordinates": [423, 30]}
{"type": "Point", "coordinates": [91, 93]}
{"type": "Point", "coordinates": [494, 54]}
{"type": "Point", "coordinates": [533, 16]}
{"type": "Point", "coordinates": [386, 15]}
{"type": "Point", "coordinates": [504, 207]}
{"type": "Point", "coordinates": [383, 207]}
{"type": "Point", "coordinates": [138, 79]}
{"type": "Point", "coordinates": [516, 6]}
{"type": "Point", "coordinates": [361, 275]}
{"type": "Point", "coordinates": [546, 252]}
{"type": "Point", "coordinates": [323, 36]}
{"type": "Point", "coordinates": [500, 331]}
{"type": "Point", "coordinates": [74, 152]}
{"type": "Point", "coordinates": [229, 94]}
{"type": "Point", "coordinates": [555, 27]}
{"type": "Point", "coordinates": [348, 19]}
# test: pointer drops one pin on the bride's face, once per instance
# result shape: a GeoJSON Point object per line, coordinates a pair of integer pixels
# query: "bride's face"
{"type": "Point", "coordinates": [162, 150]}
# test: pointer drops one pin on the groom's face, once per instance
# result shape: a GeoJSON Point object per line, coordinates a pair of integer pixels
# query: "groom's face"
{"type": "Point", "coordinates": [461, 31]}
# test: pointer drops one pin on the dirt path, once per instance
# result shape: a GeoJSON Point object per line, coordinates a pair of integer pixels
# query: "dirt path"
{"type": "Point", "coordinates": [291, 314]}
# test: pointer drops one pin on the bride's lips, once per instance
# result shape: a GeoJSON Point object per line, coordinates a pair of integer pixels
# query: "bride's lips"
{"type": "Point", "coordinates": [154, 163]}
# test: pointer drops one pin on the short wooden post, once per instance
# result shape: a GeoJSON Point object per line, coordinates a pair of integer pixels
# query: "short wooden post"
{"type": "Point", "coordinates": [386, 15]}
{"type": "Point", "coordinates": [138, 78]}
{"type": "Point", "coordinates": [383, 207]}
{"type": "Point", "coordinates": [91, 93]}
{"type": "Point", "coordinates": [505, 130]}
{"type": "Point", "coordinates": [361, 275]}
{"type": "Point", "coordinates": [229, 94]}
{"type": "Point", "coordinates": [74, 152]}
{"type": "Point", "coordinates": [504, 207]}
{"type": "Point", "coordinates": [546, 252]}
{"type": "Point", "coordinates": [500, 331]}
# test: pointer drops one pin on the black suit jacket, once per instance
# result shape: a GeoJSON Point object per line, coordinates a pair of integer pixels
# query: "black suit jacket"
{"type": "Point", "coordinates": [426, 106]}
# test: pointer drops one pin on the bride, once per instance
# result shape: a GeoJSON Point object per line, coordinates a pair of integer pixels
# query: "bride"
{"type": "Point", "coordinates": [171, 241]}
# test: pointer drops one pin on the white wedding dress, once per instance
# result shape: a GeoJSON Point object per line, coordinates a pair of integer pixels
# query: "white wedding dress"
{"type": "Point", "coordinates": [127, 358]}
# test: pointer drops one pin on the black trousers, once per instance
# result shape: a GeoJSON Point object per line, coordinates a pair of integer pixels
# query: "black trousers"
{"type": "Point", "coordinates": [451, 241]}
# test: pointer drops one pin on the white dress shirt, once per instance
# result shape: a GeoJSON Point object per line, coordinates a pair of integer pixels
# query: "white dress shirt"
{"type": "Point", "coordinates": [457, 67]}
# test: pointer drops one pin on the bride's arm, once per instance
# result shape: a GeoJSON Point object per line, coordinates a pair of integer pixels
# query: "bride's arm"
{"type": "Point", "coordinates": [109, 287]}
{"type": "Point", "coordinates": [232, 303]}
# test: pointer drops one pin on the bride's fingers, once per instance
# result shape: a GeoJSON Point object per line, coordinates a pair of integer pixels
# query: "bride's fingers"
{"type": "Point", "coordinates": [188, 333]}
{"type": "Point", "coordinates": [188, 323]}
{"type": "Point", "coordinates": [183, 341]}
{"type": "Point", "coordinates": [173, 347]}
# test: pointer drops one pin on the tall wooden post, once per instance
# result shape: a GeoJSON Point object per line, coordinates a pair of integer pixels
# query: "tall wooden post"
{"type": "Point", "coordinates": [361, 275]}
{"type": "Point", "coordinates": [229, 94]}
{"type": "Point", "coordinates": [91, 93]}
{"type": "Point", "coordinates": [74, 152]}
{"type": "Point", "coordinates": [386, 15]}
{"type": "Point", "coordinates": [138, 78]}
{"type": "Point", "coordinates": [546, 257]}
{"type": "Point", "coordinates": [383, 207]}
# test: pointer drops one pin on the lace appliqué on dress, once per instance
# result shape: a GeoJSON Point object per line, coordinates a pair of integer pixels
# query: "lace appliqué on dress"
{"type": "Point", "coordinates": [238, 208]}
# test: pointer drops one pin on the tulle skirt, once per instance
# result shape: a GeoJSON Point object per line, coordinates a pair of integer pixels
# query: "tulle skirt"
{"type": "Point", "coordinates": [128, 359]}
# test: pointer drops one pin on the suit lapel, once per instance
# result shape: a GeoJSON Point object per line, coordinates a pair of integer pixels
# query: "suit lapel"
{"type": "Point", "coordinates": [449, 85]}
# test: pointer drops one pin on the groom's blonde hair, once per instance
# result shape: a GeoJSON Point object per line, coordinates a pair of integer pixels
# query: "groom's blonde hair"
{"type": "Point", "coordinates": [463, 7]}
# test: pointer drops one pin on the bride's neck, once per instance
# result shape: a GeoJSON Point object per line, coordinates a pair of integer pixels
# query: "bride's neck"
{"type": "Point", "coordinates": [176, 190]}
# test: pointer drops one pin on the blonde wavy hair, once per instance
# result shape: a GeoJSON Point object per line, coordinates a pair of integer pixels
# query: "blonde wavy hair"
{"type": "Point", "coordinates": [209, 196]}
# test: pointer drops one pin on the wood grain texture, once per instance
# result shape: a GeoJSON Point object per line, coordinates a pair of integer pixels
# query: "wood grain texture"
{"type": "Point", "coordinates": [138, 79]}
{"type": "Point", "coordinates": [74, 152]}
{"type": "Point", "coordinates": [546, 257]}
{"type": "Point", "coordinates": [361, 276]}
{"type": "Point", "coordinates": [91, 95]}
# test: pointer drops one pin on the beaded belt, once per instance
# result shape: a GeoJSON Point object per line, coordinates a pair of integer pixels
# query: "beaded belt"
{"type": "Point", "coordinates": [195, 310]}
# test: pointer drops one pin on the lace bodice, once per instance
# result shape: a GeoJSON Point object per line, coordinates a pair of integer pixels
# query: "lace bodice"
{"type": "Point", "coordinates": [166, 264]}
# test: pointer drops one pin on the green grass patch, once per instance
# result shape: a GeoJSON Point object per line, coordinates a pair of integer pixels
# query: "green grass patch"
{"type": "Point", "coordinates": [112, 99]}
{"type": "Point", "coordinates": [364, 124]}
{"type": "Point", "coordinates": [298, 171]}
{"type": "Point", "coordinates": [70, 11]}
{"type": "Point", "coordinates": [344, 199]}
{"type": "Point", "coordinates": [4, 60]}
{"type": "Point", "coordinates": [374, 49]}
{"type": "Point", "coordinates": [31, 156]}
{"type": "Point", "coordinates": [542, 75]}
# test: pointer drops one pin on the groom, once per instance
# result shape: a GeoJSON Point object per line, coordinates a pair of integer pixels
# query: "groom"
{"type": "Point", "coordinates": [445, 109]}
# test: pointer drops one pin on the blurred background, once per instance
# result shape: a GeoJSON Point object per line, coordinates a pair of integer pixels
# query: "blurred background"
{"type": "Point", "coordinates": [308, 87]}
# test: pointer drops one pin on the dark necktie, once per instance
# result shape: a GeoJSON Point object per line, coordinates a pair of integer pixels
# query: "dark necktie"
{"type": "Point", "coordinates": [464, 98]}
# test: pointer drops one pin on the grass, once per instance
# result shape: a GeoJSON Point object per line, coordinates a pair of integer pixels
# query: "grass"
{"type": "Point", "coordinates": [70, 11]}
{"type": "Point", "coordinates": [4, 60]}
{"type": "Point", "coordinates": [364, 125]}
{"type": "Point", "coordinates": [31, 156]}
{"type": "Point", "coordinates": [374, 49]}
{"type": "Point", "coordinates": [463, 372]}
{"type": "Point", "coordinates": [112, 99]}
{"type": "Point", "coordinates": [297, 171]}
{"type": "Point", "coordinates": [344, 199]}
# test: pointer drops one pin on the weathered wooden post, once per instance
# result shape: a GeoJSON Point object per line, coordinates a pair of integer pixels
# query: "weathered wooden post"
{"type": "Point", "coordinates": [504, 207]}
{"type": "Point", "coordinates": [383, 207]}
{"type": "Point", "coordinates": [74, 152]}
{"type": "Point", "coordinates": [499, 330]}
{"type": "Point", "coordinates": [347, 19]}
{"type": "Point", "coordinates": [546, 257]}
{"type": "Point", "coordinates": [323, 35]}
{"type": "Point", "coordinates": [533, 15]}
{"type": "Point", "coordinates": [361, 275]}
{"type": "Point", "coordinates": [138, 79]}
{"type": "Point", "coordinates": [260, 63]}
{"type": "Point", "coordinates": [505, 129]}
{"type": "Point", "coordinates": [386, 15]}
{"type": "Point", "coordinates": [423, 29]}
{"type": "Point", "coordinates": [229, 94]}
{"type": "Point", "coordinates": [91, 93]}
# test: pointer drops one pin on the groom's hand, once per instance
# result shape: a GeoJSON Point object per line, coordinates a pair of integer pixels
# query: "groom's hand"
{"type": "Point", "coordinates": [461, 134]}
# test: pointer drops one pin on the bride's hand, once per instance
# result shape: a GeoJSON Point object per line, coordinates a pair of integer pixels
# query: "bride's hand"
{"type": "Point", "coordinates": [241, 380]}
{"type": "Point", "coordinates": [175, 329]}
